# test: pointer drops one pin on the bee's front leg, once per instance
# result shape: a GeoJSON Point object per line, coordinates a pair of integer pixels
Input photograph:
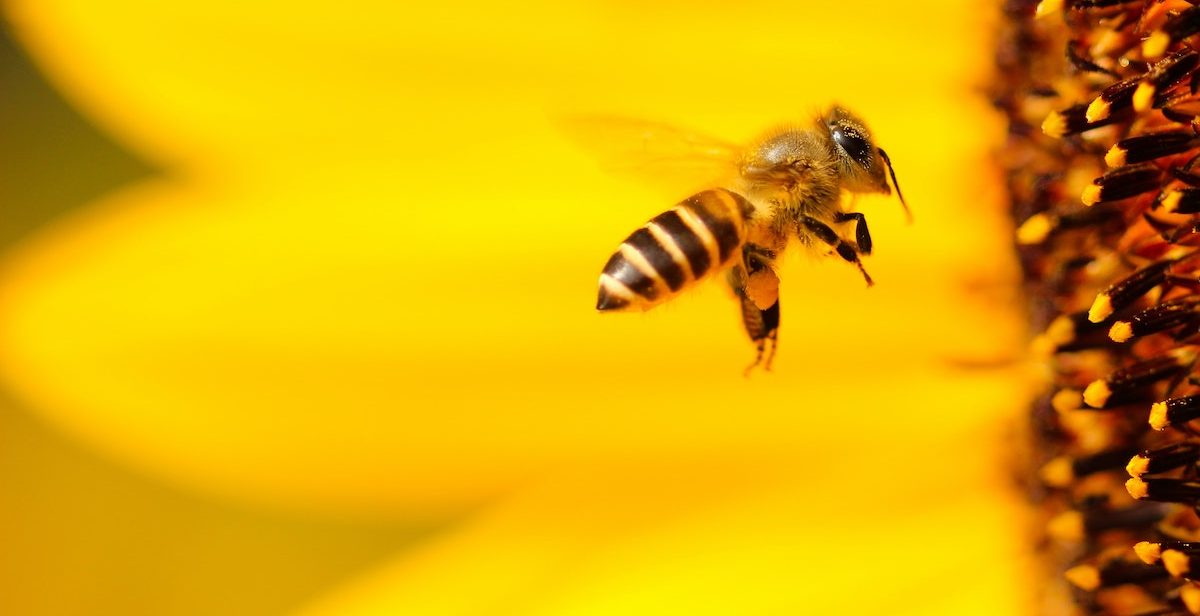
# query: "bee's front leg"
{"type": "Point", "coordinates": [843, 248]}
{"type": "Point", "coordinates": [862, 235]}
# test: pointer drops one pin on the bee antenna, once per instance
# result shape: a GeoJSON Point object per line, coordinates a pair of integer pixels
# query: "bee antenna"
{"type": "Point", "coordinates": [888, 162]}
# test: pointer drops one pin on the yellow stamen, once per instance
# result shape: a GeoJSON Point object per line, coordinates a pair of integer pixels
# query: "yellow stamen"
{"type": "Point", "coordinates": [1138, 465]}
{"type": "Point", "coordinates": [1098, 110]}
{"type": "Point", "coordinates": [1170, 203]}
{"type": "Point", "coordinates": [1034, 230]}
{"type": "Point", "coordinates": [1143, 96]}
{"type": "Point", "coordinates": [1156, 45]}
{"type": "Point", "coordinates": [1055, 125]}
{"type": "Point", "coordinates": [1116, 155]}
{"type": "Point", "coordinates": [1158, 416]}
{"type": "Point", "coordinates": [1097, 394]}
{"type": "Point", "coordinates": [1121, 331]}
{"type": "Point", "coordinates": [1148, 551]}
{"type": "Point", "coordinates": [1058, 472]}
{"type": "Point", "coordinates": [1086, 577]}
{"type": "Point", "coordinates": [1190, 595]}
{"type": "Point", "coordinates": [1066, 526]}
{"type": "Point", "coordinates": [1137, 488]}
{"type": "Point", "coordinates": [1176, 562]}
{"type": "Point", "coordinates": [1066, 400]}
{"type": "Point", "coordinates": [1101, 309]}
{"type": "Point", "coordinates": [1048, 7]}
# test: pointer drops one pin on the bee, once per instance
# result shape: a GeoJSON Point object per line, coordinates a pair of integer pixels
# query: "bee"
{"type": "Point", "coordinates": [788, 183]}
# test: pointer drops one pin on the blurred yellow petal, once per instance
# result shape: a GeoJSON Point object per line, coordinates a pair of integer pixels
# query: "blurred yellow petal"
{"type": "Point", "coordinates": [839, 534]}
{"type": "Point", "coordinates": [286, 374]}
{"type": "Point", "coordinates": [365, 287]}
{"type": "Point", "coordinates": [257, 313]}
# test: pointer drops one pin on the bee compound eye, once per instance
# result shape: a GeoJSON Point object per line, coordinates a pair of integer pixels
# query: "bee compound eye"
{"type": "Point", "coordinates": [853, 144]}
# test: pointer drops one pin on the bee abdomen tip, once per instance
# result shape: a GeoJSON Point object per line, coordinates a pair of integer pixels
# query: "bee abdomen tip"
{"type": "Point", "coordinates": [607, 301]}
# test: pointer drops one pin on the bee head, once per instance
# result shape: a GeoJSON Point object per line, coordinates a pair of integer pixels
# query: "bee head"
{"type": "Point", "coordinates": [864, 167]}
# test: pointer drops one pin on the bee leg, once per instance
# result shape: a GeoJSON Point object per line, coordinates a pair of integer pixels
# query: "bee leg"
{"type": "Point", "coordinates": [763, 327]}
{"type": "Point", "coordinates": [761, 283]}
{"type": "Point", "coordinates": [862, 235]}
{"type": "Point", "coordinates": [844, 249]}
{"type": "Point", "coordinates": [754, 282]}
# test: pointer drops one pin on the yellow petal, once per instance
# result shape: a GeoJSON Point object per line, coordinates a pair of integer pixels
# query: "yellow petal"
{"type": "Point", "coordinates": [366, 287]}
{"type": "Point", "coordinates": [642, 543]}
{"type": "Point", "coordinates": [334, 327]}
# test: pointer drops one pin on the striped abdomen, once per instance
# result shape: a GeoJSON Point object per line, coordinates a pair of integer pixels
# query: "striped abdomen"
{"type": "Point", "coordinates": [676, 248]}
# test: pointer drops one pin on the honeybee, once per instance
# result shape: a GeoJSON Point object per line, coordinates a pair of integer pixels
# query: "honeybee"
{"type": "Point", "coordinates": [789, 182]}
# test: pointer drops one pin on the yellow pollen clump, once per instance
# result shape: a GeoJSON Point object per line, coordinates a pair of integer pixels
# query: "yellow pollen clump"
{"type": "Point", "coordinates": [1097, 394]}
{"type": "Point", "coordinates": [1097, 110]}
{"type": "Point", "coordinates": [1066, 526]}
{"type": "Point", "coordinates": [1086, 577]}
{"type": "Point", "coordinates": [1061, 330]}
{"type": "Point", "coordinates": [1138, 465]}
{"type": "Point", "coordinates": [1143, 96]}
{"type": "Point", "coordinates": [1190, 595]}
{"type": "Point", "coordinates": [1170, 203]}
{"type": "Point", "coordinates": [1058, 473]}
{"type": "Point", "coordinates": [1055, 125]}
{"type": "Point", "coordinates": [1121, 331]}
{"type": "Point", "coordinates": [1158, 416]}
{"type": "Point", "coordinates": [1091, 195]}
{"type": "Point", "coordinates": [1066, 400]}
{"type": "Point", "coordinates": [1035, 229]}
{"type": "Point", "coordinates": [1108, 41]}
{"type": "Point", "coordinates": [1101, 309]}
{"type": "Point", "coordinates": [1137, 488]}
{"type": "Point", "coordinates": [1042, 346]}
{"type": "Point", "coordinates": [1116, 155]}
{"type": "Point", "coordinates": [1148, 551]}
{"type": "Point", "coordinates": [1156, 45]}
{"type": "Point", "coordinates": [1048, 7]}
{"type": "Point", "coordinates": [1176, 562]}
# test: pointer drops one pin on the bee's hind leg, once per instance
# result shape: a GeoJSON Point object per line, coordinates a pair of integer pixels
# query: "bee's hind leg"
{"type": "Point", "coordinates": [763, 328]}
{"type": "Point", "coordinates": [757, 288]}
{"type": "Point", "coordinates": [843, 248]}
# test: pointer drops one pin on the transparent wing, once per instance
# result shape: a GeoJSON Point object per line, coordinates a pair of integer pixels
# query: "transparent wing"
{"type": "Point", "coordinates": [661, 155]}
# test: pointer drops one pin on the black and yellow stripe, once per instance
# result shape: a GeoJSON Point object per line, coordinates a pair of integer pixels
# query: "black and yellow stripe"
{"type": "Point", "coordinates": [678, 247]}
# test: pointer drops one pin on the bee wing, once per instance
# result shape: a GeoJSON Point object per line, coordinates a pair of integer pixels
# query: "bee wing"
{"type": "Point", "coordinates": [659, 154]}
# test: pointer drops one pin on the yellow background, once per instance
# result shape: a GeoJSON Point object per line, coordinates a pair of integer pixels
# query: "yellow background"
{"type": "Point", "coordinates": [324, 342]}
